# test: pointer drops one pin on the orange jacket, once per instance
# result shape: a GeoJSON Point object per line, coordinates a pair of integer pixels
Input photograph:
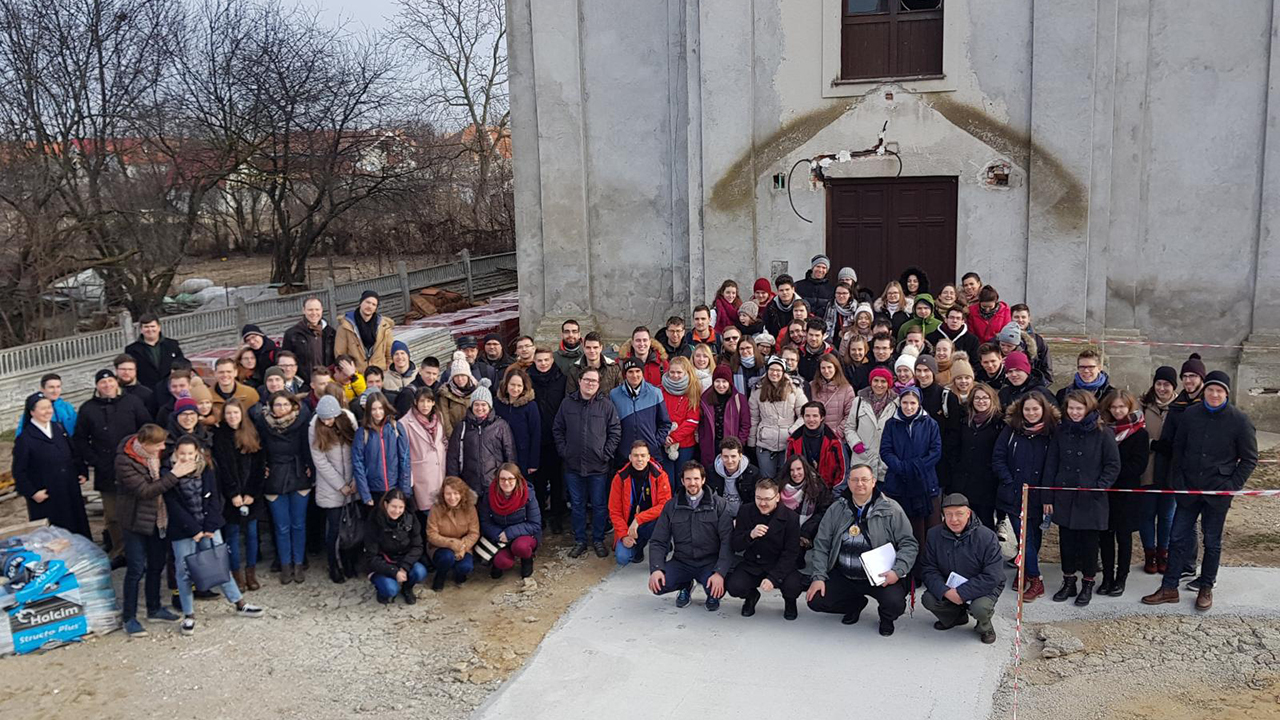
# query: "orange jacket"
{"type": "Point", "coordinates": [622, 492]}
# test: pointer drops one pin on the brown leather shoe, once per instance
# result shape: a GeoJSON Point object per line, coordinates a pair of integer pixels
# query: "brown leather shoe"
{"type": "Point", "coordinates": [1162, 596]}
{"type": "Point", "coordinates": [1204, 600]}
{"type": "Point", "coordinates": [238, 576]}
{"type": "Point", "coordinates": [251, 578]}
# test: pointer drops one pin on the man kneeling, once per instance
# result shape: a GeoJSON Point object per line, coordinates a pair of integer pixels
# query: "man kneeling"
{"type": "Point", "coordinates": [860, 520]}
{"type": "Point", "coordinates": [963, 569]}
{"type": "Point", "coordinates": [767, 534]}
{"type": "Point", "coordinates": [697, 522]}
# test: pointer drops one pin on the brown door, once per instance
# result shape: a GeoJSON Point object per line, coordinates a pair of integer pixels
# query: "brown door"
{"type": "Point", "coordinates": [881, 226]}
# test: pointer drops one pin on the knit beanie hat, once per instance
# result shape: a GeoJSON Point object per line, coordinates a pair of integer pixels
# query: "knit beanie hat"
{"type": "Point", "coordinates": [328, 408]}
{"type": "Point", "coordinates": [928, 361]}
{"type": "Point", "coordinates": [459, 364]}
{"type": "Point", "coordinates": [184, 404]}
{"type": "Point", "coordinates": [776, 360]}
{"type": "Point", "coordinates": [817, 260]}
{"type": "Point", "coordinates": [102, 374]}
{"type": "Point", "coordinates": [864, 308]}
{"type": "Point", "coordinates": [882, 373]}
{"type": "Point", "coordinates": [764, 338]}
{"type": "Point", "coordinates": [492, 336]}
{"type": "Point", "coordinates": [251, 330]}
{"type": "Point", "coordinates": [762, 285]}
{"type": "Point", "coordinates": [722, 372]}
{"type": "Point", "coordinates": [1193, 365]}
{"type": "Point", "coordinates": [961, 368]}
{"type": "Point", "coordinates": [750, 309]}
{"type": "Point", "coordinates": [846, 273]}
{"type": "Point", "coordinates": [632, 362]}
{"type": "Point", "coordinates": [274, 371]}
{"type": "Point", "coordinates": [1010, 333]}
{"type": "Point", "coordinates": [370, 294]}
{"type": "Point", "coordinates": [1017, 360]}
{"type": "Point", "coordinates": [482, 394]}
{"type": "Point", "coordinates": [910, 351]}
{"type": "Point", "coordinates": [1219, 378]}
{"type": "Point", "coordinates": [200, 394]}
{"type": "Point", "coordinates": [906, 361]}
{"type": "Point", "coordinates": [1167, 374]}
{"type": "Point", "coordinates": [399, 345]}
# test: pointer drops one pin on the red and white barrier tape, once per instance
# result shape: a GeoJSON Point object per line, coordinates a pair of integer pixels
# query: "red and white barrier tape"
{"type": "Point", "coordinates": [1154, 343]}
{"type": "Point", "coordinates": [1022, 552]}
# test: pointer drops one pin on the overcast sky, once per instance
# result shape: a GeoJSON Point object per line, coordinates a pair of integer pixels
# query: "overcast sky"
{"type": "Point", "coordinates": [371, 13]}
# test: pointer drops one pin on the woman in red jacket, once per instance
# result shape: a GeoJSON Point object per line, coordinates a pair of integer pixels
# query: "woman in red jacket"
{"type": "Point", "coordinates": [638, 493]}
{"type": "Point", "coordinates": [682, 394]}
{"type": "Point", "coordinates": [988, 315]}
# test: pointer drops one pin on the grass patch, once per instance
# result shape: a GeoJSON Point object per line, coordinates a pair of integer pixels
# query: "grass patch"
{"type": "Point", "coordinates": [1267, 474]}
{"type": "Point", "coordinates": [1258, 541]}
{"type": "Point", "coordinates": [7, 436]}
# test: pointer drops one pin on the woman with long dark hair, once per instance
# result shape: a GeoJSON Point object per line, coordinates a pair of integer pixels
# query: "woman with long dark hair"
{"type": "Point", "coordinates": [1018, 459]}
{"type": "Point", "coordinates": [283, 429]}
{"type": "Point", "coordinates": [804, 491]}
{"type": "Point", "coordinates": [393, 549]}
{"type": "Point", "coordinates": [1123, 415]}
{"type": "Point", "coordinates": [330, 436]}
{"type": "Point", "coordinates": [238, 466]}
{"type": "Point", "coordinates": [725, 308]}
{"type": "Point", "coordinates": [971, 471]}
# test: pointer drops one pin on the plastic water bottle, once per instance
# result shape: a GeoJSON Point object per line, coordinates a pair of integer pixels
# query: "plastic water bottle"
{"type": "Point", "coordinates": [1047, 521]}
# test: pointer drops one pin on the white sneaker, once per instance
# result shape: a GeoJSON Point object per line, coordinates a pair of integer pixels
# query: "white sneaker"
{"type": "Point", "coordinates": [188, 626]}
{"type": "Point", "coordinates": [249, 611]}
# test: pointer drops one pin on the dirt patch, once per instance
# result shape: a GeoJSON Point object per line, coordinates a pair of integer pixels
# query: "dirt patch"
{"type": "Point", "coordinates": [1154, 667]}
{"type": "Point", "coordinates": [323, 651]}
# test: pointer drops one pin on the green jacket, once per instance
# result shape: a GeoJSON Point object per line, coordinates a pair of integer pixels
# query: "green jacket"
{"type": "Point", "coordinates": [933, 323]}
{"type": "Point", "coordinates": [886, 523]}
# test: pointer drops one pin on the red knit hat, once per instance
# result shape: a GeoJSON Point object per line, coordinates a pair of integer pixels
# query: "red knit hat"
{"type": "Point", "coordinates": [762, 285]}
{"type": "Point", "coordinates": [722, 372]}
{"type": "Point", "coordinates": [881, 372]}
{"type": "Point", "coordinates": [1017, 360]}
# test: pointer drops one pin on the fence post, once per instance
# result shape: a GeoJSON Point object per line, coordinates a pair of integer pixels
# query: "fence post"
{"type": "Point", "coordinates": [466, 268]}
{"type": "Point", "coordinates": [332, 289]}
{"type": "Point", "coordinates": [242, 312]}
{"type": "Point", "coordinates": [403, 271]}
{"type": "Point", "coordinates": [126, 325]}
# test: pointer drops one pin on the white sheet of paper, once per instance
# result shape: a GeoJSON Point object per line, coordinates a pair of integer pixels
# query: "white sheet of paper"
{"type": "Point", "coordinates": [955, 581]}
{"type": "Point", "coordinates": [878, 561]}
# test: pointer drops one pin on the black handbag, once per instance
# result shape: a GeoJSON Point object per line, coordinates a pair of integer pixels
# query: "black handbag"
{"type": "Point", "coordinates": [209, 567]}
{"type": "Point", "coordinates": [350, 527]}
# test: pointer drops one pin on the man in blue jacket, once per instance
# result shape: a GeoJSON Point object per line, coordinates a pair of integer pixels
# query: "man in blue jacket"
{"type": "Point", "coordinates": [963, 569]}
{"type": "Point", "coordinates": [641, 410]}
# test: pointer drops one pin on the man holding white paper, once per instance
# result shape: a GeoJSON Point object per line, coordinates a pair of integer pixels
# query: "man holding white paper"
{"type": "Point", "coordinates": [863, 548]}
{"type": "Point", "coordinates": [963, 569]}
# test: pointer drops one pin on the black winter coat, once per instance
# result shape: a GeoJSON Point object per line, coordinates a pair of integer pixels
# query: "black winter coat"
{"type": "Point", "coordinates": [288, 455]}
{"type": "Point", "coordinates": [145, 394]}
{"type": "Point", "coordinates": [974, 553]}
{"type": "Point", "coordinates": [745, 484]}
{"type": "Point", "coordinates": [587, 433]}
{"type": "Point", "coordinates": [944, 407]}
{"type": "Point", "coordinates": [1212, 450]}
{"type": "Point", "coordinates": [548, 393]}
{"type": "Point", "coordinates": [392, 545]}
{"type": "Point", "coordinates": [297, 341]}
{"type": "Point", "coordinates": [151, 373]}
{"type": "Point", "coordinates": [776, 552]}
{"type": "Point", "coordinates": [701, 536]}
{"type": "Point", "coordinates": [1125, 509]}
{"type": "Point", "coordinates": [818, 293]}
{"type": "Point", "coordinates": [183, 522]}
{"type": "Point", "coordinates": [100, 426]}
{"type": "Point", "coordinates": [970, 467]}
{"type": "Point", "coordinates": [1081, 455]}
{"type": "Point", "coordinates": [1010, 393]}
{"type": "Point", "coordinates": [238, 474]}
{"type": "Point", "coordinates": [1018, 459]}
{"type": "Point", "coordinates": [48, 463]}
{"type": "Point", "coordinates": [477, 448]}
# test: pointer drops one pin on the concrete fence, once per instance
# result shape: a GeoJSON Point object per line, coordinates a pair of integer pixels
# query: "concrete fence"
{"type": "Point", "coordinates": [78, 357]}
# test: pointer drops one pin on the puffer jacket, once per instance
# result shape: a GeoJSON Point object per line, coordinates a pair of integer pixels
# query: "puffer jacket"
{"type": "Point", "coordinates": [973, 553]}
{"type": "Point", "coordinates": [334, 469]}
{"type": "Point", "coordinates": [587, 433]}
{"type": "Point", "coordinates": [886, 523]}
{"type": "Point", "coordinates": [477, 448]}
{"type": "Point", "coordinates": [194, 506]}
{"type": "Point", "coordinates": [139, 496]}
{"type": "Point", "coordinates": [702, 536]}
{"type": "Point", "coordinates": [527, 521]}
{"type": "Point", "coordinates": [684, 418]}
{"type": "Point", "coordinates": [392, 545]}
{"type": "Point", "coordinates": [643, 417]}
{"type": "Point", "coordinates": [655, 366]}
{"type": "Point", "coordinates": [1081, 455]}
{"type": "Point", "coordinates": [837, 399]}
{"type": "Point", "coordinates": [1018, 459]}
{"type": "Point", "coordinates": [288, 453]}
{"type": "Point", "coordinates": [987, 328]}
{"type": "Point", "coordinates": [832, 464]}
{"type": "Point", "coordinates": [380, 459]}
{"type": "Point", "coordinates": [864, 427]}
{"type": "Point", "coordinates": [525, 421]}
{"type": "Point", "coordinates": [910, 449]}
{"type": "Point", "coordinates": [773, 422]}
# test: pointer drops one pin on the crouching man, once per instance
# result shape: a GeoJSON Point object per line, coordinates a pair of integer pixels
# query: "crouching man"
{"type": "Point", "coordinates": [963, 569]}
{"type": "Point", "coordinates": [697, 524]}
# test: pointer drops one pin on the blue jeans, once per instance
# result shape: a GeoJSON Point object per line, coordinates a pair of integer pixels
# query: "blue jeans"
{"type": "Point", "coordinates": [445, 560]}
{"type": "Point", "coordinates": [1032, 559]}
{"type": "Point", "coordinates": [144, 554]}
{"type": "Point", "coordinates": [181, 549]}
{"type": "Point", "coordinates": [679, 575]}
{"type": "Point", "coordinates": [672, 467]}
{"type": "Point", "coordinates": [388, 587]}
{"type": "Point", "coordinates": [231, 531]}
{"type": "Point", "coordinates": [289, 515]}
{"type": "Point", "coordinates": [623, 554]}
{"type": "Point", "coordinates": [1212, 514]}
{"type": "Point", "coordinates": [580, 487]}
{"type": "Point", "coordinates": [1157, 520]}
{"type": "Point", "coordinates": [769, 461]}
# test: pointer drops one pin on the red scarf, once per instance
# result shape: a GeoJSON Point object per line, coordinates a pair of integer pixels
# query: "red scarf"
{"type": "Point", "coordinates": [1132, 424]}
{"type": "Point", "coordinates": [510, 504]}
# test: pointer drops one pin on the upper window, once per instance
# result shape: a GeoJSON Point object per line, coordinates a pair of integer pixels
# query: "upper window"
{"type": "Point", "coordinates": [883, 39]}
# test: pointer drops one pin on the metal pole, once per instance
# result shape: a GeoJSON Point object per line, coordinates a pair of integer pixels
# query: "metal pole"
{"type": "Point", "coordinates": [466, 267]}
{"type": "Point", "coordinates": [403, 271]}
{"type": "Point", "coordinates": [332, 305]}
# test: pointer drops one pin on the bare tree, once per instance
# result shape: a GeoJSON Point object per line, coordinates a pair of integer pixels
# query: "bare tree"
{"type": "Point", "coordinates": [462, 46]}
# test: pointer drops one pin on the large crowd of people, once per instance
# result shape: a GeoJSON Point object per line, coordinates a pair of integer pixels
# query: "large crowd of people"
{"type": "Point", "coordinates": [812, 438]}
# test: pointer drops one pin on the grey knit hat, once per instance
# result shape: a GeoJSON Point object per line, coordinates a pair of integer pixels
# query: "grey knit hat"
{"type": "Point", "coordinates": [846, 273]}
{"type": "Point", "coordinates": [817, 260]}
{"type": "Point", "coordinates": [1011, 334]}
{"type": "Point", "coordinates": [481, 393]}
{"type": "Point", "coordinates": [328, 408]}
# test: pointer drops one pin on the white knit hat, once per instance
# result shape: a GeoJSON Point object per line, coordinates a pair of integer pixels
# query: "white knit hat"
{"type": "Point", "coordinates": [906, 361]}
{"type": "Point", "coordinates": [459, 364]}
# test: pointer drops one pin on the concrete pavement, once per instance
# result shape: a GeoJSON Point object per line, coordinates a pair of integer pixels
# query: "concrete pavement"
{"type": "Point", "coordinates": [622, 653]}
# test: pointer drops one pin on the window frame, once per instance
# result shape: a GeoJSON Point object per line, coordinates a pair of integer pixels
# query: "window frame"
{"type": "Point", "coordinates": [955, 14]}
{"type": "Point", "coordinates": [894, 17]}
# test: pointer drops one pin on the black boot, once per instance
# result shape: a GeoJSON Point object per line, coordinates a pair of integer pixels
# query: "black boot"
{"type": "Point", "coordinates": [789, 610]}
{"type": "Point", "coordinates": [407, 591]}
{"type": "Point", "coordinates": [749, 605]}
{"type": "Point", "coordinates": [1108, 580]}
{"type": "Point", "coordinates": [1086, 593]}
{"type": "Point", "coordinates": [1117, 587]}
{"type": "Point", "coordinates": [1068, 589]}
{"type": "Point", "coordinates": [437, 582]}
{"type": "Point", "coordinates": [494, 572]}
{"type": "Point", "coordinates": [557, 525]}
{"type": "Point", "coordinates": [526, 567]}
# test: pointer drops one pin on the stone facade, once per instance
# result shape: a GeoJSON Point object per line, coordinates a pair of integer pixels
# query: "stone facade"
{"type": "Point", "coordinates": [1143, 200]}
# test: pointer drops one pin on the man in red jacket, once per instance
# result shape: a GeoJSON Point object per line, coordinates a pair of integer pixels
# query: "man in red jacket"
{"type": "Point", "coordinates": [818, 444]}
{"type": "Point", "coordinates": [989, 315]}
{"type": "Point", "coordinates": [638, 493]}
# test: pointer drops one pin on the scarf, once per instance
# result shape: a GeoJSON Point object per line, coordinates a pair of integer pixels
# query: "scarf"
{"type": "Point", "coordinates": [704, 377]}
{"type": "Point", "coordinates": [675, 387]}
{"type": "Point", "coordinates": [509, 504]}
{"type": "Point", "coordinates": [1130, 425]}
{"type": "Point", "coordinates": [368, 331]}
{"type": "Point", "coordinates": [878, 402]}
{"type": "Point", "coordinates": [792, 496]}
{"type": "Point", "coordinates": [135, 450]}
{"type": "Point", "coordinates": [463, 393]}
{"type": "Point", "coordinates": [811, 443]}
{"type": "Point", "coordinates": [572, 353]}
{"type": "Point", "coordinates": [280, 424]}
{"type": "Point", "coordinates": [747, 362]}
{"type": "Point", "coordinates": [641, 490]}
{"type": "Point", "coordinates": [428, 422]}
{"type": "Point", "coordinates": [1093, 386]}
{"type": "Point", "coordinates": [978, 419]}
{"type": "Point", "coordinates": [1030, 430]}
{"type": "Point", "coordinates": [726, 312]}
{"type": "Point", "coordinates": [988, 314]}
{"type": "Point", "coordinates": [1213, 409]}
{"type": "Point", "coordinates": [901, 387]}
{"type": "Point", "coordinates": [777, 302]}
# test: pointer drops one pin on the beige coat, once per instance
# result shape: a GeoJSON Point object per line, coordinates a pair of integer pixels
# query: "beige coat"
{"type": "Point", "coordinates": [348, 343]}
{"type": "Point", "coordinates": [457, 529]}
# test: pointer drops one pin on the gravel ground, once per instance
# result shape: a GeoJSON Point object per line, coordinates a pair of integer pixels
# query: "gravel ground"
{"type": "Point", "coordinates": [323, 651]}
{"type": "Point", "coordinates": [1153, 667]}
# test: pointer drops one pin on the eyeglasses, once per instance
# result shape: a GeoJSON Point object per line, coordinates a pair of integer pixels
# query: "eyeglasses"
{"type": "Point", "coordinates": [589, 381]}
{"type": "Point", "coordinates": [1086, 367]}
{"type": "Point", "coordinates": [767, 499]}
